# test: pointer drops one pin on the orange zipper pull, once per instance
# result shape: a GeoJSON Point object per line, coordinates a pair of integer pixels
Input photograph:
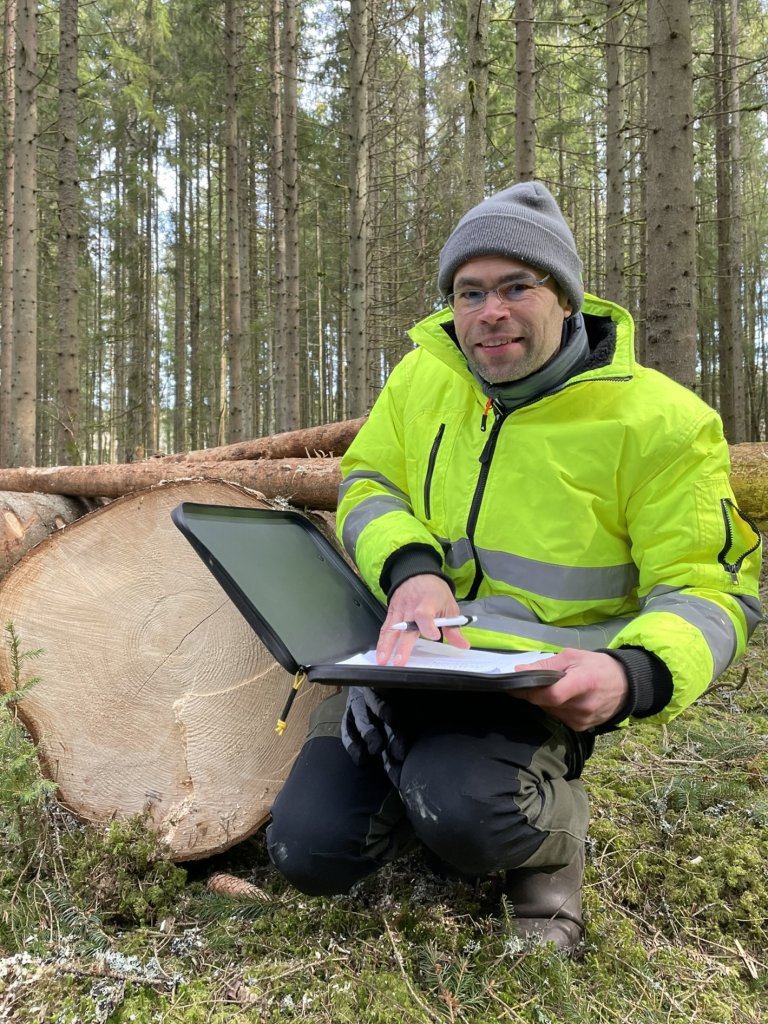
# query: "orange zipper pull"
{"type": "Point", "coordinates": [486, 410]}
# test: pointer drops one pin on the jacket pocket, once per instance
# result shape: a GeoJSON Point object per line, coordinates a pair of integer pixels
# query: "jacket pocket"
{"type": "Point", "coordinates": [431, 470]}
{"type": "Point", "coordinates": [741, 538]}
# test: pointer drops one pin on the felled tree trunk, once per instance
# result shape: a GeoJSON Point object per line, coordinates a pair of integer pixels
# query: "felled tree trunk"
{"type": "Point", "coordinates": [26, 519]}
{"type": "Point", "coordinates": [749, 479]}
{"type": "Point", "coordinates": [155, 696]}
{"type": "Point", "coordinates": [311, 483]}
{"type": "Point", "coordinates": [328, 439]}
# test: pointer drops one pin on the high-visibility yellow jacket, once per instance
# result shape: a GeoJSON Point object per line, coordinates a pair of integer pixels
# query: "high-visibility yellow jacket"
{"type": "Point", "coordinates": [597, 516]}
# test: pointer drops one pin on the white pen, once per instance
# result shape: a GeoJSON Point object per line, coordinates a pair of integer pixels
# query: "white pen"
{"type": "Point", "coordinates": [456, 620]}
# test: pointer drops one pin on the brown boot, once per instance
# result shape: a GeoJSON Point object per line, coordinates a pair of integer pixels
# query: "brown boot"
{"type": "Point", "coordinates": [547, 907]}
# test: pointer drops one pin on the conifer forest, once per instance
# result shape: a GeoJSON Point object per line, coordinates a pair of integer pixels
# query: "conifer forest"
{"type": "Point", "coordinates": [219, 219]}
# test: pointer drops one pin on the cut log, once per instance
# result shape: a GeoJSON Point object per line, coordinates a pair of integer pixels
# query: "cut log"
{"type": "Point", "coordinates": [26, 519]}
{"type": "Point", "coordinates": [155, 696]}
{"type": "Point", "coordinates": [329, 439]}
{"type": "Point", "coordinates": [749, 479]}
{"type": "Point", "coordinates": [308, 483]}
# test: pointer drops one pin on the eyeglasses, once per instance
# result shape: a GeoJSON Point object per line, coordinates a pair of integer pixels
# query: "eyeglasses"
{"type": "Point", "coordinates": [468, 300]}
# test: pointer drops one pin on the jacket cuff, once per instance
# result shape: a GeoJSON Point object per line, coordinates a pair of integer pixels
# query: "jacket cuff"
{"type": "Point", "coordinates": [413, 560]}
{"type": "Point", "coordinates": [650, 685]}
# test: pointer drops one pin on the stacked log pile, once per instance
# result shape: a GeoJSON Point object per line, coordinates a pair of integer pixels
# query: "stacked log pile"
{"type": "Point", "coordinates": [155, 697]}
{"type": "Point", "coordinates": [301, 466]}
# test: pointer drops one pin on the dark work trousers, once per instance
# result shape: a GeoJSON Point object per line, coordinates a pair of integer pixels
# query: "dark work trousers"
{"type": "Point", "coordinates": [489, 783]}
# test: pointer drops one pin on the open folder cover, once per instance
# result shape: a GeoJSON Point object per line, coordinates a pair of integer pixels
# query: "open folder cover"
{"type": "Point", "coordinates": [314, 613]}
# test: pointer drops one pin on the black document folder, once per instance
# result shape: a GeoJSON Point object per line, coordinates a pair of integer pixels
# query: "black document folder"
{"type": "Point", "coordinates": [308, 606]}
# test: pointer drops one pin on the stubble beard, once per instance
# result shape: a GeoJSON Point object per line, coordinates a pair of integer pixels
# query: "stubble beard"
{"type": "Point", "coordinates": [510, 371]}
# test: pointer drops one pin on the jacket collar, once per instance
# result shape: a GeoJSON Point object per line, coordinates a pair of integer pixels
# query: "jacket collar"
{"type": "Point", "coordinates": [609, 330]}
{"type": "Point", "coordinates": [569, 360]}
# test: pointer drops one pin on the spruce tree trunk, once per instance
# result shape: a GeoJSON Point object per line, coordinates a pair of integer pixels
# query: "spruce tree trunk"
{"type": "Point", "coordinates": [6, 300]}
{"type": "Point", "coordinates": [357, 348]}
{"type": "Point", "coordinates": [288, 362]}
{"type": "Point", "coordinates": [424, 272]}
{"type": "Point", "coordinates": [733, 398]}
{"type": "Point", "coordinates": [180, 295]}
{"type": "Point", "coordinates": [234, 312]}
{"type": "Point", "coordinates": [26, 519]}
{"type": "Point", "coordinates": [670, 196]}
{"type": "Point", "coordinates": [615, 159]}
{"type": "Point", "coordinates": [525, 78]}
{"type": "Point", "coordinates": [476, 102]}
{"type": "Point", "coordinates": [25, 256]}
{"type": "Point", "coordinates": [279, 298]}
{"type": "Point", "coordinates": [324, 440]}
{"type": "Point", "coordinates": [244, 189]}
{"type": "Point", "coordinates": [68, 412]}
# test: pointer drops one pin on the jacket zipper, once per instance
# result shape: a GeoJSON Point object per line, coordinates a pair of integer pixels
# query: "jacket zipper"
{"type": "Point", "coordinates": [726, 505]}
{"type": "Point", "coordinates": [477, 498]}
{"type": "Point", "coordinates": [486, 410]}
{"type": "Point", "coordinates": [430, 471]}
{"type": "Point", "coordinates": [500, 415]}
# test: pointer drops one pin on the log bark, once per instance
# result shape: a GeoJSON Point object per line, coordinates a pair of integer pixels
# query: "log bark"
{"type": "Point", "coordinates": [749, 479]}
{"type": "Point", "coordinates": [27, 519]}
{"type": "Point", "coordinates": [155, 696]}
{"type": "Point", "coordinates": [308, 483]}
{"type": "Point", "coordinates": [328, 439]}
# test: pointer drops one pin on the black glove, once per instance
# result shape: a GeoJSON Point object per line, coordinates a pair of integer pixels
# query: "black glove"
{"type": "Point", "coordinates": [369, 731]}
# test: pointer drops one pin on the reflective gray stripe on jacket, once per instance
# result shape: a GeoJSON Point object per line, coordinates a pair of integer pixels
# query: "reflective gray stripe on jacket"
{"type": "Point", "coordinates": [510, 616]}
{"type": "Point", "coordinates": [711, 621]}
{"type": "Point", "coordinates": [370, 508]}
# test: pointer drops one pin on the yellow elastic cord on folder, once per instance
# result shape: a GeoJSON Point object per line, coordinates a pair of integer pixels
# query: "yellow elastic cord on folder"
{"type": "Point", "coordinates": [298, 679]}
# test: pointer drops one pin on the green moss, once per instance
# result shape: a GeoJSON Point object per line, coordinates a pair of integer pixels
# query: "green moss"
{"type": "Point", "coordinates": [121, 873]}
{"type": "Point", "coordinates": [675, 898]}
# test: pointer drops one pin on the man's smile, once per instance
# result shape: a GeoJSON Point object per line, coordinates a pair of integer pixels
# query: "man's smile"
{"type": "Point", "coordinates": [498, 342]}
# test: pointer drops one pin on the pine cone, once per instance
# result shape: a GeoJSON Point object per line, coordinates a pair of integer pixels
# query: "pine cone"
{"type": "Point", "coordinates": [236, 888]}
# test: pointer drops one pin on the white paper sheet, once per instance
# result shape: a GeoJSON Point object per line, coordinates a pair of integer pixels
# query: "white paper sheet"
{"type": "Point", "coordinates": [445, 658]}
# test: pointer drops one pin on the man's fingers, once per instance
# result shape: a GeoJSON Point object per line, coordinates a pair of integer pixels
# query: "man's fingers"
{"type": "Point", "coordinates": [593, 689]}
{"type": "Point", "coordinates": [387, 642]}
{"type": "Point", "coordinates": [426, 627]}
{"type": "Point", "coordinates": [560, 662]}
{"type": "Point", "coordinates": [394, 648]}
{"type": "Point", "coordinates": [573, 683]}
{"type": "Point", "coordinates": [404, 647]}
{"type": "Point", "coordinates": [452, 635]}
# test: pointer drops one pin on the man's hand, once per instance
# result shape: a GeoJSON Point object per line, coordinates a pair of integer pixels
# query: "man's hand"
{"type": "Point", "coordinates": [420, 599]}
{"type": "Point", "coordinates": [592, 690]}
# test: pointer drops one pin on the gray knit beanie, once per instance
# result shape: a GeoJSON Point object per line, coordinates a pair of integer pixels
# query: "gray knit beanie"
{"type": "Point", "coordinates": [522, 223]}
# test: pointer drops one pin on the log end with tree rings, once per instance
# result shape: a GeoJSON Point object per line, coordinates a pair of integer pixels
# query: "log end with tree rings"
{"type": "Point", "coordinates": [155, 696]}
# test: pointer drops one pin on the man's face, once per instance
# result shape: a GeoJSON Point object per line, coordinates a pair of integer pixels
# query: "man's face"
{"type": "Point", "coordinates": [506, 341]}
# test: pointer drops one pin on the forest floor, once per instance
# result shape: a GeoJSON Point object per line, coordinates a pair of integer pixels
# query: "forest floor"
{"type": "Point", "coordinates": [95, 928]}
